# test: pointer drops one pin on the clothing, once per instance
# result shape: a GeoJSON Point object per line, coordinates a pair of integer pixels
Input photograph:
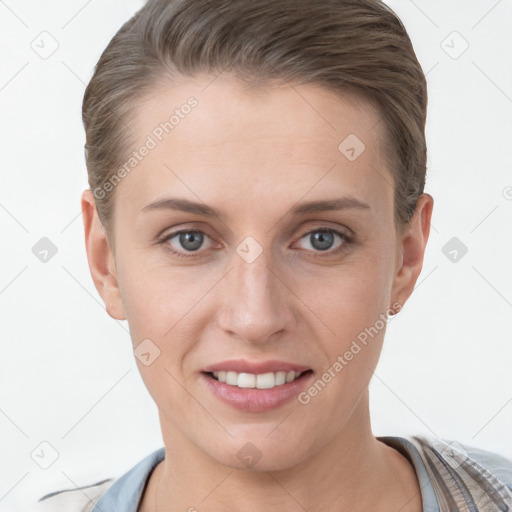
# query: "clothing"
{"type": "Point", "coordinates": [452, 477]}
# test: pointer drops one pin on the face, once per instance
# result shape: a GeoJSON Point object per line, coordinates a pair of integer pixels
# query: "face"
{"type": "Point", "coordinates": [254, 237]}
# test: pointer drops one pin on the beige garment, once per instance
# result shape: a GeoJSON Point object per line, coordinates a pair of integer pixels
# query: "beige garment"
{"type": "Point", "coordinates": [82, 499]}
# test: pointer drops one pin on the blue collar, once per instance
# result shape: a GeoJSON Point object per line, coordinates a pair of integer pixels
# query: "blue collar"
{"type": "Point", "coordinates": [125, 493]}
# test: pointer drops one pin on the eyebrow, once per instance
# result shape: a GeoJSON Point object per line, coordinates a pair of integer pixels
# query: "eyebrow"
{"type": "Point", "coordinates": [185, 205]}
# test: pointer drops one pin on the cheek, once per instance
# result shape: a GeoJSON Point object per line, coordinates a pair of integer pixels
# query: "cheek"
{"type": "Point", "coordinates": [348, 298]}
{"type": "Point", "coordinates": [353, 307]}
{"type": "Point", "coordinates": [160, 297]}
{"type": "Point", "coordinates": [157, 296]}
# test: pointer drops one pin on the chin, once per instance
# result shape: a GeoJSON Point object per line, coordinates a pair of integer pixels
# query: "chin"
{"type": "Point", "coordinates": [259, 456]}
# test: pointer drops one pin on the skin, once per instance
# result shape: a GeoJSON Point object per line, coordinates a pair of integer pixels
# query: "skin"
{"type": "Point", "coordinates": [254, 155]}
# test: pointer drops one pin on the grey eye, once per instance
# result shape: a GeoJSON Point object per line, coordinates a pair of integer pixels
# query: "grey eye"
{"type": "Point", "coordinates": [322, 240]}
{"type": "Point", "coordinates": [191, 240]}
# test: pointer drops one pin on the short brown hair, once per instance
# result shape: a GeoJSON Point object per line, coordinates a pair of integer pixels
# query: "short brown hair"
{"type": "Point", "coordinates": [357, 46]}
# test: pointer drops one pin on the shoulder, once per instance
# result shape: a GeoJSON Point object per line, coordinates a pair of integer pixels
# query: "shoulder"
{"type": "Point", "coordinates": [462, 454]}
{"type": "Point", "coordinates": [111, 495]}
{"type": "Point", "coordinates": [495, 463]}
{"type": "Point", "coordinates": [80, 499]}
{"type": "Point", "coordinates": [461, 471]}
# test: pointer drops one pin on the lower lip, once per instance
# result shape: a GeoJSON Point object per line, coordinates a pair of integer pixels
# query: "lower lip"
{"type": "Point", "coordinates": [257, 400]}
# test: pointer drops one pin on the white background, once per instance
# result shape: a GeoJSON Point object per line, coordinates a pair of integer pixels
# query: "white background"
{"type": "Point", "coordinates": [67, 373]}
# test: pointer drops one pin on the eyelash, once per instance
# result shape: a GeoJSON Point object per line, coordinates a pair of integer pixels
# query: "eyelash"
{"type": "Point", "coordinates": [346, 242]}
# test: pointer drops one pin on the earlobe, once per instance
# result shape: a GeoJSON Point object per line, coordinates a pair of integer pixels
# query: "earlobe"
{"type": "Point", "coordinates": [100, 258]}
{"type": "Point", "coordinates": [412, 246]}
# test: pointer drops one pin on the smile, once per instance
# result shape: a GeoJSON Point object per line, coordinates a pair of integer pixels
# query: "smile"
{"type": "Point", "coordinates": [260, 381]}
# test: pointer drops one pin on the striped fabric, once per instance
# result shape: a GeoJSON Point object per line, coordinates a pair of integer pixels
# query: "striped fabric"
{"type": "Point", "coordinates": [461, 483]}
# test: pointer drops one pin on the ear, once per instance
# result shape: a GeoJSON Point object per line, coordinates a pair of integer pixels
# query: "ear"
{"type": "Point", "coordinates": [101, 258]}
{"type": "Point", "coordinates": [411, 249]}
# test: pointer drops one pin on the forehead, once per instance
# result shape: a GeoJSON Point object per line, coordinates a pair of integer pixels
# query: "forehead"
{"type": "Point", "coordinates": [229, 110]}
{"type": "Point", "coordinates": [279, 142]}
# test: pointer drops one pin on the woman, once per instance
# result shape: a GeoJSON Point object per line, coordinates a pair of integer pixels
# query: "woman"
{"type": "Point", "coordinates": [256, 213]}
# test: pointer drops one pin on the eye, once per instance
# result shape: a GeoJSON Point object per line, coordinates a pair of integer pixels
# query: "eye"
{"type": "Point", "coordinates": [187, 241]}
{"type": "Point", "coordinates": [324, 239]}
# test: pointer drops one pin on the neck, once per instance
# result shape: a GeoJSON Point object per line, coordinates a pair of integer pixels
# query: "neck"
{"type": "Point", "coordinates": [353, 472]}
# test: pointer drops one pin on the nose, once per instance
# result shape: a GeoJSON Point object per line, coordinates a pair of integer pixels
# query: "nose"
{"type": "Point", "coordinates": [256, 302]}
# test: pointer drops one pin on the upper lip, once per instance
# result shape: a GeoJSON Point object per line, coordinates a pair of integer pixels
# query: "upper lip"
{"type": "Point", "coordinates": [254, 367]}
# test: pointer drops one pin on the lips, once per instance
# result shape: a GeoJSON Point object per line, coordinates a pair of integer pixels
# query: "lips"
{"type": "Point", "coordinates": [256, 386]}
{"type": "Point", "coordinates": [255, 367]}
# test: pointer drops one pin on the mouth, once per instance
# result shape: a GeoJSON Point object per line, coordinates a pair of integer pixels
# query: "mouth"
{"type": "Point", "coordinates": [267, 380]}
{"type": "Point", "coordinates": [256, 386]}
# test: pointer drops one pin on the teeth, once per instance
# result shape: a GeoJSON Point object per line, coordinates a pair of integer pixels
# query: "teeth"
{"type": "Point", "coordinates": [280, 378]}
{"type": "Point", "coordinates": [260, 381]}
{"type": "Point", "coordinates": [246, 380]}
{"type": "Point", "coordinates": [232, 378]}
{"type": "Point", "coordinates": [265, 380]}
